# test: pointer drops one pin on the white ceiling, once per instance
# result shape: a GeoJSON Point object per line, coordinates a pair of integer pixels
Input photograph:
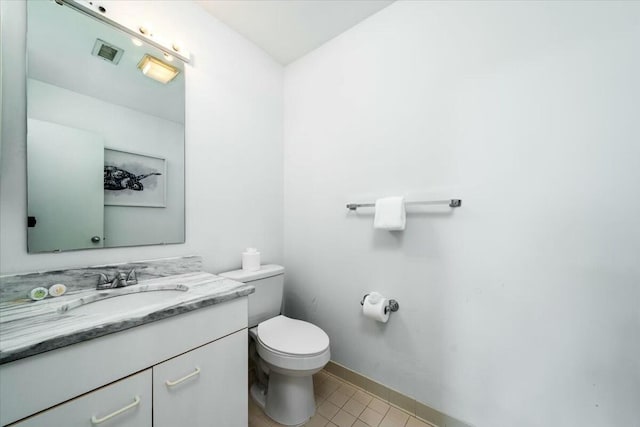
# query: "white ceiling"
{"type": "Point", "coordinates": [288, 29]}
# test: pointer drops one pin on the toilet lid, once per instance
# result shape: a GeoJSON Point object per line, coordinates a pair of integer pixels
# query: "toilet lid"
{"type": "Point", "coordinates": [292, 336]}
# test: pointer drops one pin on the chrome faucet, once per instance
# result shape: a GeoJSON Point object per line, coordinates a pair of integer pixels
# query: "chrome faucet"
{"type": "Point", "coordinates": [120, 280]}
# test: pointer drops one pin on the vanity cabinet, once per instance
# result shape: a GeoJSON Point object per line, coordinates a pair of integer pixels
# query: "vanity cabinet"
{"type": "Point", "coordinates": [69, 385]}
{"type": "Point", "coordinates": [192, 389]}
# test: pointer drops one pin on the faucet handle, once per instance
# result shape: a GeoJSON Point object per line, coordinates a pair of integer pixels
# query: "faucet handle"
{"type": "Point", "coordinates": [118, 281]}
{"type": "Point", "coordinates": [132, 279]}
{"type": "Point", "coordinates": [103, 281]}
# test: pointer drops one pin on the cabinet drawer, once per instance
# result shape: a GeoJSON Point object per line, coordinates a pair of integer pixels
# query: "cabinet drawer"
{"type": "Point", "coordinates": [204, 387]}
{"type": "Point", "coordinates": [125, 403]}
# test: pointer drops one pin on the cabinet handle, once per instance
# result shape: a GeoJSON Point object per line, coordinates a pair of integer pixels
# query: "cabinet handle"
{"type": "Point", "coordinates": [136, 402]}
{"type": "Point", "coordinates": [176, 382]}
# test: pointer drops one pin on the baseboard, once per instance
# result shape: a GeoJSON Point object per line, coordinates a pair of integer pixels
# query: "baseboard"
{"type": "Point", "coordinates": [394, 397]}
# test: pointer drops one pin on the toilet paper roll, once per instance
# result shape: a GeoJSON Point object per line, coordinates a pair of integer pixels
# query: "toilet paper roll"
{"type": "Point", "coordinates": [373, 307]}
{"type": "Point", "coordinates": [251, 260]}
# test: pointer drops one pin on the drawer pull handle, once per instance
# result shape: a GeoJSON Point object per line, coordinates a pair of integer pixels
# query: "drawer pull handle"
{"type": "Point", "coordinates": [176, 382]}
{"type": "Point", "coordinates": [136, 402]}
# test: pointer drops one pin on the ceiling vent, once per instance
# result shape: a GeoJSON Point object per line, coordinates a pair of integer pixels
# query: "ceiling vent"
{"type": "Point", "coordinates": [107, 51]}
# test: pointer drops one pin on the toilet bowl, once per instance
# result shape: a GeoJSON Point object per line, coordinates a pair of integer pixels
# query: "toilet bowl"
{"type": "Point", "coordinates": [287, 352]}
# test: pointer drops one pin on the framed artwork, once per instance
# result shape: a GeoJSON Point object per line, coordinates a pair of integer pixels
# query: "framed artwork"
{"type": "Point", "coordinates": [134, 179]}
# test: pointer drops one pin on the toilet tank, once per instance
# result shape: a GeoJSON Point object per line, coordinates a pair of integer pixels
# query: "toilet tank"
{"type": "Point", "coordinates": [266, 301]}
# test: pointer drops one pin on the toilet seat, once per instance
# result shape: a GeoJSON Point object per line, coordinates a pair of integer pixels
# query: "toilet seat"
{"type": "Point", "coordinates": [292, 345]}
{"type": "Point", "coordinates": [292, 337]}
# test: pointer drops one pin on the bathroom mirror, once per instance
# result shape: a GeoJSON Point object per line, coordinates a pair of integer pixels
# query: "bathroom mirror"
{"type": "Point", "coordinates": [105, 142]}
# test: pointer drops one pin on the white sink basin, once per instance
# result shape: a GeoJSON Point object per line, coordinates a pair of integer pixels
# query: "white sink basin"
{"type": "Point", "coordinates": [124, 299]}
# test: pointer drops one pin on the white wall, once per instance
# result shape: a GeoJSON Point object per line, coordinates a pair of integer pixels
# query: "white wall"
{"type": "Point", "coordinates": [521, 308]}
{"type": "Point", "coordinates": [233, 146]}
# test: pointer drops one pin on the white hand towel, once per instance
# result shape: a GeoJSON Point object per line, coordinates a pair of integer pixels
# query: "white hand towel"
{"type": "Point", "coordinates": [390, 214]}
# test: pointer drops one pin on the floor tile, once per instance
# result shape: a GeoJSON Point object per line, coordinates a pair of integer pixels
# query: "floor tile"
{"type": "Point", "coordinates": [320, 377]}
{"type": "Point", "coordinates": [338, 398]}
{"type": "Point", "coordinates": [317, 421]}
{"type": "Point", "coordinates": [319, 399]}
{"type": "Point", "coordinates": [354, 407]}
{"type": "Point", "coordinates": [394, 418]}
{"type": "Point", "coordinates": [343, 419]}
{"type": "Point", "coordinates": [254, 409]}
{"type": "Point", "coordinates": [347, 389]}
{"type": "Point", "coordinates": [362, 397]}
{"type": "Point", "coordinates": [371, 417]}
{"type": "Point", "coordinates": [258, 421]}
{"type": "Point", "coordinates": [333, 382]}
{"type": "Point", "coordinates": [378, 406]}
{"type": "Point", "coordinates": [327, 387]}
{"type": "Point", "coordinates": [323, 392]}
{"type": "Point", "coordinates": [328, 409]}
{"type": "Point", "coordinates": [359, 423]}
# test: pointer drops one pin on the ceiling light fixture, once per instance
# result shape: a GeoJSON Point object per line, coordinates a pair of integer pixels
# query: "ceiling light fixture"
{"type": "Point", "coordinates": [156, 69]}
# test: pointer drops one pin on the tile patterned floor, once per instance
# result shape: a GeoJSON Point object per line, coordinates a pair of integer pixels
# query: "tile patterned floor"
{"type": "Point", "coordinates": [341, 404]}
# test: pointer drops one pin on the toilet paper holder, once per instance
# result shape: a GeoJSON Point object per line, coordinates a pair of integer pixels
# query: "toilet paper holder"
{"type": "Point", "coordinates": [392, 306]}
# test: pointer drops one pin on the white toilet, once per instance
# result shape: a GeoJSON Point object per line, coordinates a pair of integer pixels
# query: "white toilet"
{"type": "Point", "coordinates": [289, 351]}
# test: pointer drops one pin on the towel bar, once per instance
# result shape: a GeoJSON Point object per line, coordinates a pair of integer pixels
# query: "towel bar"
{"type": "Point", "coordinates": [453, 203]}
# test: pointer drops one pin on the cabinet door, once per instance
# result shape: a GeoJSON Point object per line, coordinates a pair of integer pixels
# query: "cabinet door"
{"type": "Point", "coordinates": [125, 403]}
{"type": "Point", "coordinates": [204, 387]}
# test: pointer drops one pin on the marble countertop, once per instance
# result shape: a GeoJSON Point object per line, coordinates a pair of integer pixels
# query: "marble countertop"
{"type": "Point", "coordinates": [28, 328]}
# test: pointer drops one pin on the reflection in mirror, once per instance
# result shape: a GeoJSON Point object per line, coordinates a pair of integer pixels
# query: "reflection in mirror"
{"type": "Point", "coordinates": [105, 135]}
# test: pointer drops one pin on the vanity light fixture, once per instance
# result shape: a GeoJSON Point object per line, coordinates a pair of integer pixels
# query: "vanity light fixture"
{"type": "Point", "coordinates": [156, 69]}
{"type": "Point", "coordinates": [145, 30]}
{"type": "Point", "coordinates": [123, 22]}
